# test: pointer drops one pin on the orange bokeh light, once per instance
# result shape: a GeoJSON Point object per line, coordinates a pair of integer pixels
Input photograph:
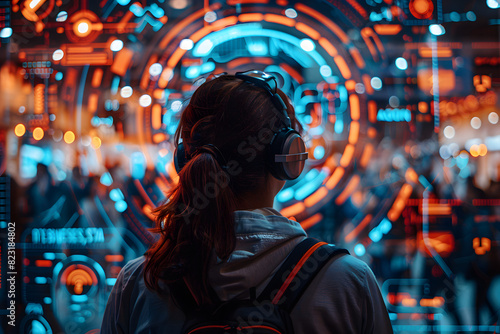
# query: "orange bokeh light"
{"type": "Point", "coordinates": [69, 137]}
{"type": "Point", "coordinates": [421, 9]}
{"type": "Point", "coordinates": [482, 150]}
{"type": "Point", "coordinates": [82, 28]}
{"type": "Point", "coordinates": [20, 130]}
{"type": "Point", "coordinates": [96, 142]}
{"type": "Point", "coordinates": [474, 150]}
{"type": "Point", "coordinates": [38, 133]}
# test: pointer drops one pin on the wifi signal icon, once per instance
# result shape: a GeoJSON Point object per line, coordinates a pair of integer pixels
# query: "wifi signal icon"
{"type": "Point", "coordinates": [79, 279]}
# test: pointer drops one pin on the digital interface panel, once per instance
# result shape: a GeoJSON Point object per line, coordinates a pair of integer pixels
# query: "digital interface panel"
{"type": "Point", "coordinates": [399, 100]}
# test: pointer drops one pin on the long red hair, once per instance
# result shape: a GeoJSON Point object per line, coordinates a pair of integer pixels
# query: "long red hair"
{"type": "Point", "coordinates": [197, 218]}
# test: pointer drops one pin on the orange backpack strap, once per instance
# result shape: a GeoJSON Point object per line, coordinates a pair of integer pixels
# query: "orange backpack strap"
{"type": "Point", "coordinates": [297, 272]}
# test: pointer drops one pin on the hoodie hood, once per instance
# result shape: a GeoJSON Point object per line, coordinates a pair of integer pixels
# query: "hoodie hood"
{"type": "Point", "coordinates": [264, 238]}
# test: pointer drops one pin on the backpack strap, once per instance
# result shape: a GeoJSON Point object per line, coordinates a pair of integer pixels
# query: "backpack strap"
{"type": "Point", "coordinates": [297, 272]}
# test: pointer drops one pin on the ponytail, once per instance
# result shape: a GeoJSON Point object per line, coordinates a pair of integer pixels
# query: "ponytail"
{"type": "Point", "coordinates": [196, 220]}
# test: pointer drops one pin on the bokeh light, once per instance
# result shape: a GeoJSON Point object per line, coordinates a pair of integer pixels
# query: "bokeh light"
{"type": "Point", "coordinates": [475, 123]}
{"type": "Point", "coordinates": [69, 137]}
{"type": "Point", "coordinates": [38, 133]}
{"type": "Point", "coordinates": [493, 117]}
{"type": "Point", "coordinates": [20, 130]}
{"type": "Point", "coordinates": [436, 29]}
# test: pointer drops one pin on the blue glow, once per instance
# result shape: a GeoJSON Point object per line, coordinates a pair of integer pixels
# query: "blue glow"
{"type": "Point", "coordinates": [393, 316]}
{"type": "Point", "coordinates": [311, 175]}
{"type": "Point", "coordinates": [313, 182]}
{"type": "Point", "coordinates": [137, 165]}
{"type": "Point", "coordinates": [462, 160]}
{"type": "Point", "coordinates": [79, 298]}
{"type": "Point", "coordinates": [301, 99]}
{"type": "Point", "coordinates": [385, 226]}
{"type": "Point", "coordinates": [436, 29]}
{"type": "Point", "coordinates": [61, 175]}
{"type": "Point", "coordinates": [123, 2]}
{"type": "Point", "coordinates": [162, 162]}
{"type": "Point", "coordinates": [471, 16]}
{"type": "Point", "coordinates": [376, 83]}
{"type": "Point", "coordinates": [193, 72]}
{"type": "Point", "coordinates": [493, 4]}
{"type": "Point", "coordinates": [464, 173]}
{"type": "Point", "coordinates": [375, 235]}
{"type": "Point", "coordinates": [30, 156]}
{"type": "Point", "coordinates": [106, 179]}
{"type": "Point", "coordinates": [156, 10]}
{"type": "Point", "coordinates": [394, 115]}
{"type": "Point", "coordinates": [285, 195]}
{"type": "Point", "coordinates": [62, 16]}
{"type": "Point", "coordinates": [106, 121]}
{"type": "Point", "coordinates": [326, 71]}
{"type": "Point", "coordinates": [115, 85]}
{"type": "Point", "coordinates": [384, 15]}
{"type": "Point", "coordinates": [46, 300]}
{"type": "Point", "coordinates": [401, 63]}
{"type": "Point", "coordinates": [40, 280]}
{"type": "Point", "coordinates": [6, 32]}
{"type": "Point", "coordinates": [75, 307]}
{"type": "Point", "coordinates": [207, 67]}
{"type": "Point", "coordinates": [378, 232]}
{"type": "Point", "coordinates": [424, 182]}
{"type": "Point", "coordinates": [49, 256]}
{"type": "Point", "coordinates": [454, 16]}
{"type": "Point", "coordinates": [306, 190]}
{"type": "Point", "coordinates": [207, 43]}
{"type": "Point", "coordinates": [319, 152]}
{"type": "Point", "coordinates": [339, 125]}
{"type": "Point", "coordinates": [359, 250]}
{"type": "Point", "coordinates": [110, 281]}
{"type": "Point", "coordinates": [258, 48]}
{"type": "Point", "coordinates": [121, 206]}
{"type": "Point", "coordinates": [79, 319]}
{"type": "Point", "coordinates": [136, 10]}
{"type": "Point", "coordinates": [59, 76]}
{"type": "Point", "coordinates": [116, 195]}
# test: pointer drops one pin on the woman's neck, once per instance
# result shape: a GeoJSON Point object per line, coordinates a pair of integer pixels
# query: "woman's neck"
{"type": "Point", "coordinates": [261, 197]}
{"type": "Point", "coordinates": [255, 200]}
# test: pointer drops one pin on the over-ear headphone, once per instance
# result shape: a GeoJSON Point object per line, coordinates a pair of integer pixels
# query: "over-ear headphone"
{"type": "Point", "coordinates": [286, 153]}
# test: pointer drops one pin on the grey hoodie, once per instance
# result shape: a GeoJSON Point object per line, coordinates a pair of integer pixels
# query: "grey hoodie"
{"type": "Point", "coordinates": [343, 298]}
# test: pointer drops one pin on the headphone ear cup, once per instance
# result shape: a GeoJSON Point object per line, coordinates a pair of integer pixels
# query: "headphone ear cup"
{"type": "Point", "coordinates": [286, 142]}
{"type": "Point", "coordinates": [180, 159]}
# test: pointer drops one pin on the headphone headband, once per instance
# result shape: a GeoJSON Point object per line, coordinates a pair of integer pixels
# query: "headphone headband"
{"type": "Point", "coordinates": [269, 83]}
{"type": "Point", "coordinates": [286, 153]}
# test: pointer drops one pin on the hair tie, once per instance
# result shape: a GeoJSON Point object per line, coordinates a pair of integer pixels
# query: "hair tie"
{"type": "Point", "coordinates": [214, 151]}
